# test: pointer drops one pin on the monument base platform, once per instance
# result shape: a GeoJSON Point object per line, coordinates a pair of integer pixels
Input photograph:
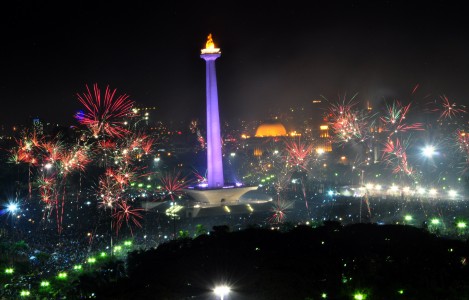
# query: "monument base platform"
{"type": "Point", "coordinates": [220, 196]}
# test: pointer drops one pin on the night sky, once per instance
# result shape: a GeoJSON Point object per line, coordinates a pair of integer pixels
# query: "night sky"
{"type": "Point", "coordinates": [274, 53]}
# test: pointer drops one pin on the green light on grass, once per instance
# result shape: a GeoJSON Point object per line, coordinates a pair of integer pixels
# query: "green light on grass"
{"type": "Point", "coordinates": [461, 225]}
{"type": "Point", "coordinates": [435, 221]}
{"type": "Point", "coordinates": [45, 283]}
{"type": "Point", "coordinates": [359, 296]}
{"type": "Point", "coordinates": [91, 260]}
{"type": "Point", "coordinates": [9, 271]}
{"type": "Point", "coordinates": [25, 293]}
{"type": "Point", "coordinates": [77, 267]}
{"type": "Point", "coordinates": [62, 275]}
{"type": "Point", "coordinates": [408, 218]}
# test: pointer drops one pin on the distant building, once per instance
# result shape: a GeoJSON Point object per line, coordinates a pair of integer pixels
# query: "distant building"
{"type": "Point", "coordinates": [271, 129]}
{"type": "Point", "coordinates": [38, 126]}
{"type": "Point", "coordinates": [324, 142]}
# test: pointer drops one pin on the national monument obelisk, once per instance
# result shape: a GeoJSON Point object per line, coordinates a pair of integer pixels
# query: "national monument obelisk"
{"type": "Point", "coordinates": [216, 193]}
{"type": "Point", "coordinates": [214, 153]}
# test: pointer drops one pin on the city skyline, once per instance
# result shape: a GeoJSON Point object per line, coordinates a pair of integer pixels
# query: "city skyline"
{"type": "Point", "coordinates": [275, 55]}
{"type": "Point", "coordinates": [335, 127]}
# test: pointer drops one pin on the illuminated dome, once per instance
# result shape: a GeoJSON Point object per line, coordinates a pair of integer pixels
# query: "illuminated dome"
{"type": "Point", "coordinates": [270, 129]}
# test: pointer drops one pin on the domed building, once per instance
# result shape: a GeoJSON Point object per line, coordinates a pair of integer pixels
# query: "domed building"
{"type": "Point", "coordinates": [267, 137]}
{"type": "Point", "coordinates": [271, 129]}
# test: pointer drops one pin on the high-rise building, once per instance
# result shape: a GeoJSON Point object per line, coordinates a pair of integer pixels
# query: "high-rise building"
{"type": "Point", "coordinates": [325, 143]}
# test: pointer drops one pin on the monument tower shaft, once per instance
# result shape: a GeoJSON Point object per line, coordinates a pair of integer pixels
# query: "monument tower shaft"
{"type": "Point", "coordinates": [214, 146]}
{"type": "Point", "coordinates": [217, 193]}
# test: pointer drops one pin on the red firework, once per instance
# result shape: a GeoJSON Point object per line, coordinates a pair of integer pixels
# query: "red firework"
{"type": "Point", "coordinates": [119, 178]}
{"type": "Point", "coordinates": [174, 184]}
{"type": "Point", "coordinates": [22, 155]}
{"type": "Point", "coordinates": [146, 145]}
{"type": "Point", "coordinates": [279, 212]}
{"type": "Point", "coordinates": [299, 153]}
{"type": "Point", "coordinates": [53, 151]}
{"type": "Point", "coordinates": [75, 159]}
{"type": "Point", "coordinates": [104, 116]}
{"type": "Point", "coordinates": [199, 178]}
{"type": "Point", "coordinates": [349, 123]}
{"type": "Point", "coordinates": [124, 212]}
{"type": "Point", "coordinates": [449, 109]}
{"type": "Point", "coordinates": [140, 143]}
{"type": "Point", "coordinates": [394, 154]}
{"type": "Point", "coordinates": [107, 145]}
{"type": "Point", "coordinates": [124, 175]}
{"type": "Point", "coordinates": [108, 191]}
{"type": "Point", "coordinates": [27, 150]}
{"type": "Point", "coordinates": [135, 140]}
{"type": "Point", "coordinates": [415, 88]}
{"type": "Point", "coordinates": [394, 119]}
{"type": "Point", "coordinates": [46, 189]}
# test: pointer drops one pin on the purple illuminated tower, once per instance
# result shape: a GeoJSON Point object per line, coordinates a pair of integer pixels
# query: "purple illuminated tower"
{"type": "Point", "coordinates": [217, 193]}
{"type": "Point", "coordinates": [214, 155]}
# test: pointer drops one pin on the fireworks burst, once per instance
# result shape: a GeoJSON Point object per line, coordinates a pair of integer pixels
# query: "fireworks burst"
{"type": "Point", "coordinates": [450, 109]}
{"type": "Point", "coordinates": [104, 116]}
{"type": "Point", "coordinates": [299, 153]}
{"type": "Point", "coordinates": [74, 159]}
{"type": "Point", "coordinates": [447, 109]}
{"type": "Point", "coordinates": [124, 212]}
{"type": "Point", "coordinates": [173, 184]}
{"type": "Point", "coordinates": [199, 178]}
{"type": "Point", "coordinates": [52, 159]}
{"type": "Point", "coordinates": [395, 155]}
{"type": "Point", "coordinates": [348, 123]}
{"type": "Point", "coordinates": [108, 191]}
{"type": "Point", "coordinates": [395, 119]}
{"type": "Point", "coordinates": [279, 211]}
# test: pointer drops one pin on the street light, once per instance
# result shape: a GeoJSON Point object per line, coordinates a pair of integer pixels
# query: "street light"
{"type": "Point", "coordinates": [453, 193]}
{"type": "Point", "coordinates": [221, 291]}
{"type": "Point", "coordinates": [12, 207]}
{"type": "Point", "coordinates": [428, 151]}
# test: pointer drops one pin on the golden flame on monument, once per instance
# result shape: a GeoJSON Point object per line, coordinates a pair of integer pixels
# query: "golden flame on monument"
{"type": "Point", "coordinates": [210, 46]}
